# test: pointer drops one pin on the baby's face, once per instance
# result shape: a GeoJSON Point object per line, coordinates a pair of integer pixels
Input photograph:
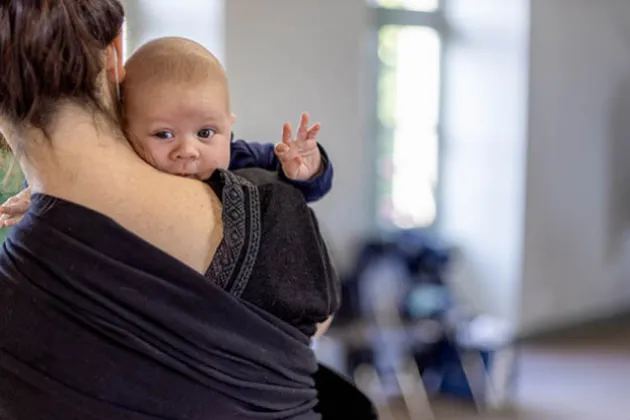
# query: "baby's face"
{"type": "Point", "coordinates": [182, 130]}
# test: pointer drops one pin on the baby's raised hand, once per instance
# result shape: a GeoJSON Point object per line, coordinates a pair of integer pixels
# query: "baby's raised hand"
{"type": "Point", "coordinates": [300, 157]}
{"type": "Point", "coordinates": [14, 208]}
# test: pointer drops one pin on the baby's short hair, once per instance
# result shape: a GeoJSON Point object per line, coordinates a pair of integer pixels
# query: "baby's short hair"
{"type": "Point", "coordinates": [173, 60]}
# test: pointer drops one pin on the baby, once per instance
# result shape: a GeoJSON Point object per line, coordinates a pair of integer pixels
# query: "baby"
{"type": "Point", "coordinates": [176, 114]}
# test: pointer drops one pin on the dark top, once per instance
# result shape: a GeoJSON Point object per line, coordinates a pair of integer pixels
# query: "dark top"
{"type": "Point", "coordinates": [98, 324]}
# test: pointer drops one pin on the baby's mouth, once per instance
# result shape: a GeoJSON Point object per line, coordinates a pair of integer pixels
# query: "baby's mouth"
{"type": "Point", "coordinates": [185, 175]}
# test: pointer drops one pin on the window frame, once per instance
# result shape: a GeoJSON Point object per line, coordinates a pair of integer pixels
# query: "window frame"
{"type": "Point", "coordinates": [383, 16]}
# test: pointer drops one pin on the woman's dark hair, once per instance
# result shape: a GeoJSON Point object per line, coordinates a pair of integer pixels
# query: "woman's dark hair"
{"type": "Point", "coordinates": [52, 51]}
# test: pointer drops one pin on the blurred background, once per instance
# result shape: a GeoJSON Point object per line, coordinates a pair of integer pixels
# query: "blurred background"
{"type": "Point", "coordinates": [480, 213]}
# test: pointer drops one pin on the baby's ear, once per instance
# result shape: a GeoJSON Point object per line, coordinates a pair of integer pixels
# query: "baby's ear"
{"type": "Point", "coordinates": [232, 118]}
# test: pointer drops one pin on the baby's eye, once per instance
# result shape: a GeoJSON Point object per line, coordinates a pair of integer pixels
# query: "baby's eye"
{"type": "Point", "coordinates": [206, 133]}
{"type": "Point", "coordinates": [164, 135]}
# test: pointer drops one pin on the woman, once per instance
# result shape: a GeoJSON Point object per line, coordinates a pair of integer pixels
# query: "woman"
{"type": "Point", "coordinates": [110, 305]}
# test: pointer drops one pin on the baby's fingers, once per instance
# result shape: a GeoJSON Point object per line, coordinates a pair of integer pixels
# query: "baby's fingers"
{"type": "Point", "coordinates": [12, 221]}
{"type": "Point", "coordinates": [287, 134]}
{"type": "Point", "coordinates": [312, 132]}
{"type": "Point", "coordinates": [303, 127]}
{"type": "Point", "coordinates": [14, 207]}
{"type": "Point", "coordinates": [285, 153]}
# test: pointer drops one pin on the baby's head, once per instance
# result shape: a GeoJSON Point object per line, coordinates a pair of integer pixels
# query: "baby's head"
{"type": "Point", "coordinates": [177, 107]}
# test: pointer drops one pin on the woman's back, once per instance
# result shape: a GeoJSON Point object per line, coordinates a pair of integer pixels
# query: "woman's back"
{"type": "Point", "coordinates": [130, 332]}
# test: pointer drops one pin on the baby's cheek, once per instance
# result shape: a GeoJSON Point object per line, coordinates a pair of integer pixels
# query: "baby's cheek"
{"type": "Point", "coordinates": [148, 154]}
{"type": "Point", "coordinates": [157, 161]}
{"type": "Point", "coordinates": [218, 156]}
{"type": "Point", "coordinates": [225, 155]}
{"type": "Point", "coordinates": [225, 161]}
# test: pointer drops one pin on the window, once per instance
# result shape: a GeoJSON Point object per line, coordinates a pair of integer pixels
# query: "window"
{"type": "Point", "coordinates": [408, 101]}
{"type": "Point", "coordinates": [11, 179]}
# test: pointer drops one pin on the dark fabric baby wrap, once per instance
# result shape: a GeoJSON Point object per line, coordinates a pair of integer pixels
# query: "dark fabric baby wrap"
{"type": "Point", "coordinates": [96, 323]}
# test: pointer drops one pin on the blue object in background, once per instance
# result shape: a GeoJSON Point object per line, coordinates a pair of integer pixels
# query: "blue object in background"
{"type": "Point", "coordinates": [453, 379]}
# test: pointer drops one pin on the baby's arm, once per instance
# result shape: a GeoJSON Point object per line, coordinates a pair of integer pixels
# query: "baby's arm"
{"type": "Point", "coordinates": [258, 155]}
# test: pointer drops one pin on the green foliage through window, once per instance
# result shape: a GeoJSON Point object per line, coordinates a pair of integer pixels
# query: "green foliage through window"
{"type": "Point", "coordinates": [11, 181]}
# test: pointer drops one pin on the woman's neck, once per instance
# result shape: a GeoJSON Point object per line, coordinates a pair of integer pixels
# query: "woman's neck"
{"type": "Point", "coordinates": [82, 152]}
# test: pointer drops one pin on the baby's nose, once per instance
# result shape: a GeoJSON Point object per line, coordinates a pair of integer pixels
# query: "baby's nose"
{"type": "Point", "coordinates": [188, 150]}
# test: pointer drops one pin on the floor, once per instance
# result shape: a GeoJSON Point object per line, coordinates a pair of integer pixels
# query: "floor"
{"type": "Point", "coordinates": [582, 375]}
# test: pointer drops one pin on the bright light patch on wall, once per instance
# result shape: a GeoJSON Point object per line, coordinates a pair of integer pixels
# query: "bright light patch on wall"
{"type": "Point", "coordinates": [408, 113]}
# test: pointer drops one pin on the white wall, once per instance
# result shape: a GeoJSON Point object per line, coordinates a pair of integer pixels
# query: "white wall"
{"type": "Point", "coordinates": [201, 20]}
{"type": "Point", "coordinates": [286, 56]}
{"type": "Point", "coordinates": [484, 136]}
{"type": "Point", "coordinates": [577, 259]}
